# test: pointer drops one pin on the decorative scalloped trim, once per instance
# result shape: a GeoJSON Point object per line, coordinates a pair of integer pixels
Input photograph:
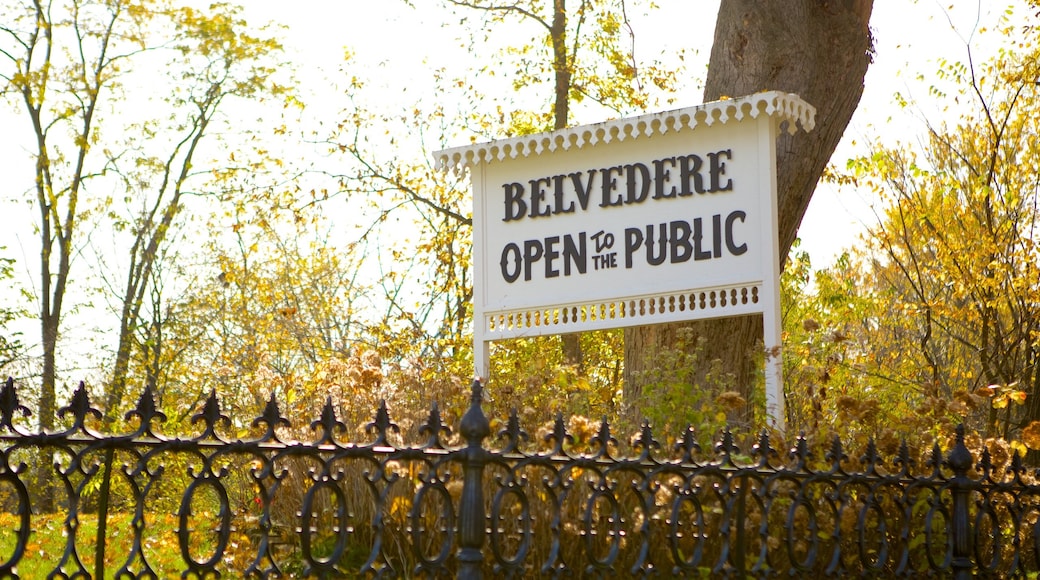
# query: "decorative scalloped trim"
{"type": "Point", "coordinates": [783, 106]}
{"type": "Point", "coordinates": [690, 305]}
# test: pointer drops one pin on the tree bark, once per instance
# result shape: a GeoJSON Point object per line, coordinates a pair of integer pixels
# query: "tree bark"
{"type": "Point", "coordinates": [817, 49]}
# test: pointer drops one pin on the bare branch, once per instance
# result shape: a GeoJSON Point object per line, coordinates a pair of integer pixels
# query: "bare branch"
{"type": "Point", "coordinates": [504, 8]}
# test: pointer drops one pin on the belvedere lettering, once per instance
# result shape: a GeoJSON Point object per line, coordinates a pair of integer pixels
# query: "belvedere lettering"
{"type": "Point", "coordinates": [668, 178]}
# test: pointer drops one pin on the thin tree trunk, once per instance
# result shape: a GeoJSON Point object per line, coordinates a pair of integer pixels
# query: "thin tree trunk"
{"type": "Point", "coordinates": [572, 353]}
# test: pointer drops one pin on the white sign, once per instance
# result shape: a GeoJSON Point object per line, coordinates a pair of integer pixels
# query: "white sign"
{"type": "Point", "coordinates": [652, 219]}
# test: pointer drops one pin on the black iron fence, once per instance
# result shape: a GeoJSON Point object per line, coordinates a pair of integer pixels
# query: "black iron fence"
{"type": "Point", "coordinates": [143, 504]}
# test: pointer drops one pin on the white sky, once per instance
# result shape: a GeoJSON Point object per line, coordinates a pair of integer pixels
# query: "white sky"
{"type": "Point", "coordinates": [395, 45]}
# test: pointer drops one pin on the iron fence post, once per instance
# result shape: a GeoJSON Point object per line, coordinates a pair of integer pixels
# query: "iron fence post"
{"type": "Point", "coordinates": [474, 427]}
{"type": "Point", "coordinates": [740, 550]}
{"type": "Point", "coordinates": [102, 515]}
{"type": "Point", "coordinates": [959, 460]}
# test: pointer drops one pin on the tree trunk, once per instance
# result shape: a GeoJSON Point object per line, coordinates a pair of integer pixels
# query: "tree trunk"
{"type": "Point", "coordinates": [572, 353]}
{"type": "Point", "coordinates": [561, 68]}
{"type": "Point", "coordinates": [816, 49]}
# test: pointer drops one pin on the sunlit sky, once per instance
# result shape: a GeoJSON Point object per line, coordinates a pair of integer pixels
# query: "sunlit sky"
{"type": "Point", "coordinates": [394, 44]}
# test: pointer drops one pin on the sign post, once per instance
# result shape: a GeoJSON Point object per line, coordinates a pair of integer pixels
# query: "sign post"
{"type": "Point", "coordinates": [659, 218]}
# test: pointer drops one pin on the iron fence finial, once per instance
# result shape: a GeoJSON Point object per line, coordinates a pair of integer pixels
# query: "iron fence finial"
{"type": "Point", "coordinates": [475, 426]}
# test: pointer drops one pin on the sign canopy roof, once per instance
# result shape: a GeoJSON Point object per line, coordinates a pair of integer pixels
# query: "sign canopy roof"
{"type": "Point", "coordinates": [781, 106]}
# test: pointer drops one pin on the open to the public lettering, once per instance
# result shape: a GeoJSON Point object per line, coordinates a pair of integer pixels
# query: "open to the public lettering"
{"type": "Point", "coordinates": [674, 242]}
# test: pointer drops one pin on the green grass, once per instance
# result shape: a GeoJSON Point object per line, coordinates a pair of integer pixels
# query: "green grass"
{"type": "Point", "coordinates": [48, 540]}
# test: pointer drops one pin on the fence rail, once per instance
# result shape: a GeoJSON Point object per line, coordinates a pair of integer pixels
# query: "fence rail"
{"type": "Point", "coordinates": [270, 506]}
